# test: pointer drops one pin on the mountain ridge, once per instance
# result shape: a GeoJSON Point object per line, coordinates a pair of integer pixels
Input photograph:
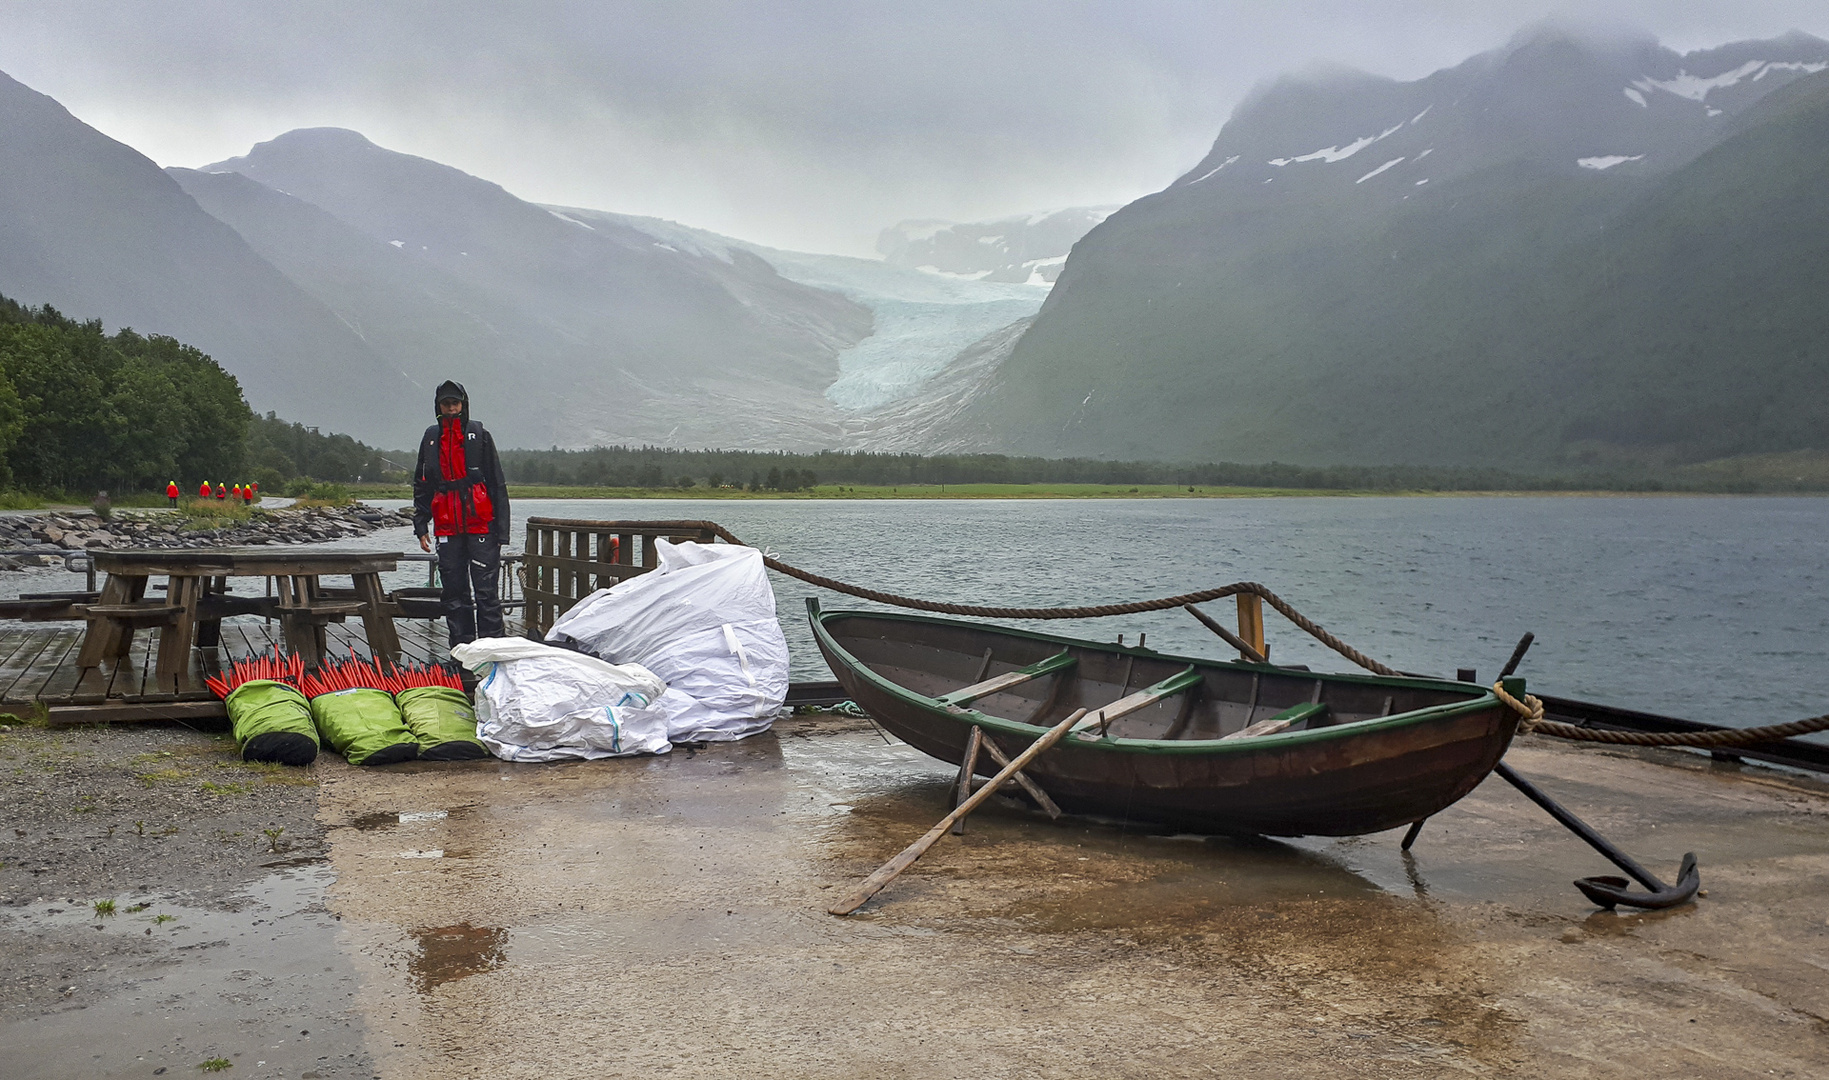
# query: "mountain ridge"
{"type": "Point", "coordinates": [90, 225]}
{"type": "Point", "coordinates": [1312, 293]}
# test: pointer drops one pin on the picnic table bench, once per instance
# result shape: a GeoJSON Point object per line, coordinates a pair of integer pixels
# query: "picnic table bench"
{"type": "Point", "coordinates": [197, 599]}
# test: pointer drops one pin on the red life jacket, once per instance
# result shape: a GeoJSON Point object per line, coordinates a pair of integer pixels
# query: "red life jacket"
{"type": "Point", "coordinates": [458, 507]}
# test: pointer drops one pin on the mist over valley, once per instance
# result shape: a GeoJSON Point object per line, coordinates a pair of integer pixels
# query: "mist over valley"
{"type": "Point", "coordinates": [1579, 250]}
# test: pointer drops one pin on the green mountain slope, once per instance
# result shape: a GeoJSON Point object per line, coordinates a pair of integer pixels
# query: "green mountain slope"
{"type": "Point", "coordinates": [1523, 313]}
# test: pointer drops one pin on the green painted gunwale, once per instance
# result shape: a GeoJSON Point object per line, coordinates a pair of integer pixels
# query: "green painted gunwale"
{"type": "Point", "coordinates": [1485, 699]}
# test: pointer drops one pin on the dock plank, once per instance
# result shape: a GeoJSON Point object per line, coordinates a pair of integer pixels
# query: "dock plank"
{"type": "Point", "coordinates": [38, 663]}
{"type": "Point", "coordinates": [60, 681]}
{"type": "Point", "coordinates": [18, 669]}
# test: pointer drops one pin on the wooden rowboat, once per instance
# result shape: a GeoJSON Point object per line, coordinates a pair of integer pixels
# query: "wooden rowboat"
{"type": "Point", "coordinates": [1195, 744]}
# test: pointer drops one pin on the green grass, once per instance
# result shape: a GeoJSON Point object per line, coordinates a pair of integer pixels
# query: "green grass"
{"type": "Point", "coordinates": [211, 787]}
{"type": "Point", "coordinates": [901, 491]}
{"type": "Point", "coordinates": [104, 908]}
{"type": "Point", "coordinates": [163, 776]}
{"type": "Point", "coordinates": [195, 515]}
{"type": "Point", "coordinates": [216, 1064]}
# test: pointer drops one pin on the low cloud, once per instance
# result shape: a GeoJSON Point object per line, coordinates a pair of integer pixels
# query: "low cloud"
{"type": "Point", "coordinates": [809, 125]}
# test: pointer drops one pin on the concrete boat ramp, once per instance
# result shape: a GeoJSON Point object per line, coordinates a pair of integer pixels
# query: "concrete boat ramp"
{"type": "Point", "coordinates": [666, 917]}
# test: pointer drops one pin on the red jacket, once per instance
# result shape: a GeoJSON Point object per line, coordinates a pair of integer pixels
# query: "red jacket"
{"type": "Point", "coordinates": [460, 501]}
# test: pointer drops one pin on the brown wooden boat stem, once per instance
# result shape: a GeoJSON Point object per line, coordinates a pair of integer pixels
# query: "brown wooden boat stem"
{"type": "Point", "coordinates": [892, 869]}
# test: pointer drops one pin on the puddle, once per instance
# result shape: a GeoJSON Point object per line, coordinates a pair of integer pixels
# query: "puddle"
{"type": "Point", "coordinates": [448, 953]}
{"type": "Point", "coordinates": [389, 819]}
{"type": "Point", "coordinates": [263, 987]}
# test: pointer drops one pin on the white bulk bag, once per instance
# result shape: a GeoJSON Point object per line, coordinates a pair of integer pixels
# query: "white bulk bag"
{"type": "Point", "coordinates": [704, 621]}
{"type": "Point", "coordinates": [536, 702]}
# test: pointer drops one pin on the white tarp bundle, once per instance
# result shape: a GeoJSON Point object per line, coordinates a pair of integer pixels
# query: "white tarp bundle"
{"type": "Point", "coordinates": [704, 621]}
{"type": "Point", "coordinates": [536, 702]}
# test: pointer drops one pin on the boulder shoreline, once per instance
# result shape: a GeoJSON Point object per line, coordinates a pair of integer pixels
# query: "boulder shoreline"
{"type": "Point", "coordinates": [62, 539]}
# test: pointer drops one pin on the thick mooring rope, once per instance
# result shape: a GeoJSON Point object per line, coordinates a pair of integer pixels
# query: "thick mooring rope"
{"type": "Point", "coordinates": [1530, 709]}
{"type": "Point", "coordinates": [1093, 611]}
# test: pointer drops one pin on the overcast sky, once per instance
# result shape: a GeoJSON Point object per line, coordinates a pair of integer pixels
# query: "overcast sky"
{"type": "Point", "coordinates": [806, 125]}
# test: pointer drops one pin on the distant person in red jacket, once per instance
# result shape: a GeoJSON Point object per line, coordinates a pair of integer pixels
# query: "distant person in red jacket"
{"type": "Point", "coordinates": [222, 493]}
{"type": "Point", "coordinates": [171, 492]}
{"type": "Point", "coordinates": [459, 493]}
{"type": "Point", "coordinates": [247, 494]}
{"type": "Point", "coordinates": [203, 490]}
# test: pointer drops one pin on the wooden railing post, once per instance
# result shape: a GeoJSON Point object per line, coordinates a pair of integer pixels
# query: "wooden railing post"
{"type": "Point", "coordinates": [563, 565]}
{"type": "Point", "coordinates": [1251, 622]}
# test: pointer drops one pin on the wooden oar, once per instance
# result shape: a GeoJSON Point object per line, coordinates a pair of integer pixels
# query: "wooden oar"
{"type": "Point", "coordinates": [894, 867]}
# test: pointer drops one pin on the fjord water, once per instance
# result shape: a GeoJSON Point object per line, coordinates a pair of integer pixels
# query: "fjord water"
{"type": "Point", "coordinates": [1711, 608]}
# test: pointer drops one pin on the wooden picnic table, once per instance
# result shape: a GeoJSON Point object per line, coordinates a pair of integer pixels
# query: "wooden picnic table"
{"type": "Point", "coordinates": [197, 600]}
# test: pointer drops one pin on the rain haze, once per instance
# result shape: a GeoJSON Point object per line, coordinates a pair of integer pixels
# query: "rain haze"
{"type": "Point", "coordinates": [807, 126]}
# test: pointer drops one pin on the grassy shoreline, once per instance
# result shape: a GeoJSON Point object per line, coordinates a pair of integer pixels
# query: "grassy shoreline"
{"type": "Point", "coordinates": [829, 492]}
{"type": "Point", "coordinates": [863, 492]}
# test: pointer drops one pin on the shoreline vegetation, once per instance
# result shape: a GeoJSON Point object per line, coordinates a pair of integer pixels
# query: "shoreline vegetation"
{"type": "Point", "coordinates": [862, 492]}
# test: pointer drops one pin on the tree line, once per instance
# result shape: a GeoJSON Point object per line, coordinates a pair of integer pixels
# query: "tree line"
{"type": "Point", "coordinates": [657, 467]}
{"type": "Point", "coordinates": [83, 411]}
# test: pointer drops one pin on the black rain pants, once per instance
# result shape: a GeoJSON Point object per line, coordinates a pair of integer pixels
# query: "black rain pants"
{"type": "Point", "coordinates": [470, 568]}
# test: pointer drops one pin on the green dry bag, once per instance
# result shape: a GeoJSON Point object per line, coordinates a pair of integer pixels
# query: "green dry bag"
{"type": "Point", "coordinates": [272, 722]}
{"type": "Point", "coordinates": [364, 726]}
{"type": "Point", "coordinates": [443, 721]}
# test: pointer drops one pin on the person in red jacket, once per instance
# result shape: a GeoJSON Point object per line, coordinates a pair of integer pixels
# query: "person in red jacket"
{"type": "Point", "coordinates": [459, 493]}
{"type": "Point", "coordinates": [247, 494]}
{"type": "Point", "coordinates": [171, 492]}
{"type": "Point", "coordinates": [203, 490]}
{"type": "Point", "coordinates": [236, 492]}
{"type": "Point", "coordinates": [222, 492]}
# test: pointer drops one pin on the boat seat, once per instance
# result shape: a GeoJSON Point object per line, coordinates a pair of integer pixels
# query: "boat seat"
{"type": "Point", "coordinates": [1181, 681]}
{"type": "Point", "coordinates": [1288, 718]}
{"type": "Point", "coordinates": [964, 696]}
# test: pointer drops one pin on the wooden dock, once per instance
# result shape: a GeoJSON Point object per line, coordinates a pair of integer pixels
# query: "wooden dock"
{"type": "Point", "coordinates": [38, 667]}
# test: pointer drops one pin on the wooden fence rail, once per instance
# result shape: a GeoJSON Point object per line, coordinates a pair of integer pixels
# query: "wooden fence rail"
{"type": "Point", "coordinates": [566, 560]}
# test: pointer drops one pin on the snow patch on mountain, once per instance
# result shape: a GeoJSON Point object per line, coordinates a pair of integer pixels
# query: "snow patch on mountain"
{"type": "Point", "coordinates": [1331, 154]}
{"type": "Point", "coordinates": [1601, 164]}
{"type": "Point", "coordinates": [1378, 170]}
{"type": "Point", "coordinates": [1685, 85]}
{"type": "Point", "coordinates": [570, 220]}
{"type": "Point", "coordinates": [1214, 169]}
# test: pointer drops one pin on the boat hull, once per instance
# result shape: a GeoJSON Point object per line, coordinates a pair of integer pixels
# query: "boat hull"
{"type": "Point", "coordinates": [1349, 779]}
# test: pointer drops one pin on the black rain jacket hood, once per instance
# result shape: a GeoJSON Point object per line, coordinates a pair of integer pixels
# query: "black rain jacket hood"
{"type": "Point", "coordinates": [449, 389]}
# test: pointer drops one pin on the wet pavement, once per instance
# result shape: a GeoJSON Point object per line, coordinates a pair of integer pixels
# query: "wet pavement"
{"type": "Point", "coordinates": [263, 988]}
{"type": "Point", "coordinates": [666, 917]}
